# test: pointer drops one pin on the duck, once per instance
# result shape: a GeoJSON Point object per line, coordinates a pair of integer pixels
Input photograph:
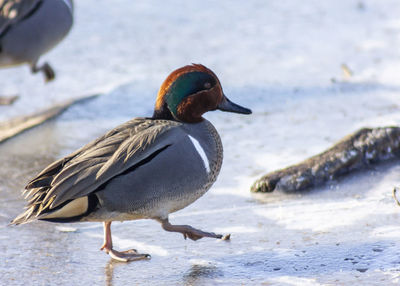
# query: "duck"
{"type": "Point", "coordinates": [146, 168]}
{"type": "Point", "coordinates": [30, 28]}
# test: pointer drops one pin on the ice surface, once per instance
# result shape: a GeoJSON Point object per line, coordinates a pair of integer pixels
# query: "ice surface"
{"type": "Point", "coordinates": [282, 59]}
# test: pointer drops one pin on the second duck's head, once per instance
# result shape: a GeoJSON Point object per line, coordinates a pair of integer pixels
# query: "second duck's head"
{"type": "Point", "coordinates": [191, 91]}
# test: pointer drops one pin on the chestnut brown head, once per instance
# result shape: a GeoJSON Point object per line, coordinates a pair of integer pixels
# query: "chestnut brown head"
{"type": "Point", "coordinates": [191, 91]}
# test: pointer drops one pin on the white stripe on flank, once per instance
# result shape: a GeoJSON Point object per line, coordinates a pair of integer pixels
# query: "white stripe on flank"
{"type": "Point", "coordinates": [201, 152]}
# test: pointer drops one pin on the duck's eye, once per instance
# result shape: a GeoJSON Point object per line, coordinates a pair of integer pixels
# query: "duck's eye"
{"type": "Point", "coordinates": [207, 85]}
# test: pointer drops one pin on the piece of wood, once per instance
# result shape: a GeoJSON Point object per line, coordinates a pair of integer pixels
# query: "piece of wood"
{"type": "Point", "coordinates": [13, 127]}
{"type": "Point", "coordinates": [362, 148]}
{"type": "Point", "coordinates": [8, 100]}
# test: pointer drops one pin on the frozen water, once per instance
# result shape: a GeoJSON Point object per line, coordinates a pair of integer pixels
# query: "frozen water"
{"type": "Point", "coordinates": [282, 59]}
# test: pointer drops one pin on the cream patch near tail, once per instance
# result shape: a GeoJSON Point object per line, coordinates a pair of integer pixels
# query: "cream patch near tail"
{"type": "Point", "coordinates": [74, 208]}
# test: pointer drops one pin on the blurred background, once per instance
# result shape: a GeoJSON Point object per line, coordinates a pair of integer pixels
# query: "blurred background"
{"type": "Point", "coordinates": [311, 71]}
{"type": "Point", "coordinates": [270, 47]}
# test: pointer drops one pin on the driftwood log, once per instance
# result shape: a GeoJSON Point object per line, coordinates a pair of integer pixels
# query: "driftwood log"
{"type": "Point", "coordinates": [360, 149]}
{"type": "Point", "coordinates": [13, 127]}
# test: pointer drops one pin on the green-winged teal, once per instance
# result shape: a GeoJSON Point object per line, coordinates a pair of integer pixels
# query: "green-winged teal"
{"type": "Point", "coordinates": [30, 28]}
{"type": "Point", "coordinates": [145, 168]}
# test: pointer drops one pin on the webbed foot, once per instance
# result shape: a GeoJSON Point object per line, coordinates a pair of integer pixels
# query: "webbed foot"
{"type": "Point", "coordinates": [125, 256]}
{"type": "Point", "coordinates": [190, 232]}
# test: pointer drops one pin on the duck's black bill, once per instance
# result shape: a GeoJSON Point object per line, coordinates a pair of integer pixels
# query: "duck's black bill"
{"type": "Point", "coordinates": [229, 106]}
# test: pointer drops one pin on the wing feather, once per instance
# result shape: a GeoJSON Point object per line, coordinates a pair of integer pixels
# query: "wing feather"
{"type": "Point", "coordinates": [140, 145]}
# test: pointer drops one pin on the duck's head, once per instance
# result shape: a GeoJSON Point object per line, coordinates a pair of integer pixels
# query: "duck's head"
{"type": "Point", "coordinates": [191, 91]}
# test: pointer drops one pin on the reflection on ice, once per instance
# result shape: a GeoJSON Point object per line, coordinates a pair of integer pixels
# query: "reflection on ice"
{"type": "Point", "coordinates": [204, 272]}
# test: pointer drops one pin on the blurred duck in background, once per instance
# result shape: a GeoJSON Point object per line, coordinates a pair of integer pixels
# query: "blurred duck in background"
{"type": "Point", "coordinates": [30, 28]}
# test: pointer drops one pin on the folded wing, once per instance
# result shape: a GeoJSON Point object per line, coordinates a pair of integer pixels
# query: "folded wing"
{"type": "Point", "coordinates": [86, 170]}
